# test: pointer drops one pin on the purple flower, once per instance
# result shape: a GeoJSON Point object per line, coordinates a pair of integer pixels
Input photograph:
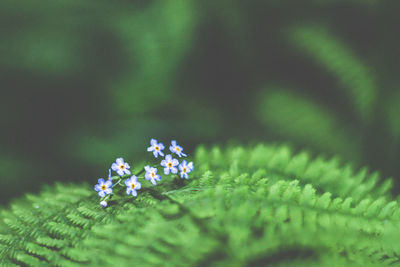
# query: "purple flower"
{"type": "Point", "coordinates": [156, 148]}
{"type": "Point", "coordinates": [132, 185]}
{"type": "Point", "coordinates": [121, 167]}
{"type": "Point", "coordinates": [169, 164]}
{"type": "Point", "coordinates": [176, 149]}
{"type": "Point", "coordinates": [151, 174]}
{"type": "Point", "coordinates": [103, 204]}
{"type": "Point", "coordinates": [103, 187]}
{"type": "Point", "coordinates": [185, 168]}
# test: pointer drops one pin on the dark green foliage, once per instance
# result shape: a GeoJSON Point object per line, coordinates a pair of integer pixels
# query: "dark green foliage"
{"type": "Point", "coordinates": [243, 206]}
{"type": "Point", "coordinates": [354, 78]}
{"type": "Point", "coordinates": [320, 74]}
{"type": "Point", "coordinates": [303, 120]}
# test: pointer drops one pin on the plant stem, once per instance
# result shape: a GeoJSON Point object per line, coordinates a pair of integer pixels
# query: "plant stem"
{"type": "Point", "coordinates": [105, 198]}
{"type": "Point", "coordinates": [117, 183]}
{"type": "Point", "coordinates": [125, 176]}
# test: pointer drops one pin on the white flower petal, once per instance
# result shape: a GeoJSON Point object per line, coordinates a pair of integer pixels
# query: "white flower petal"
{"type": "Point", "coordinates": [119, 161]}
{"type": "Point", "coordinates": [128, 190]}
{"type": "Point", "coordinates": [108, 191]}
{"type": "Point", "coordinates": [114, 166]}
{"type": "Point", "coordinates": [138, 186]}
{"type": "Point", "coordinates": [190, 165]}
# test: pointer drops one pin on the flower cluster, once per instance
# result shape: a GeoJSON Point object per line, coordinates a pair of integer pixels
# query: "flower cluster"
{"type": "Point", "coordinates": [169, 163]}
{"type": "Point", "coordinates": [122, 168]}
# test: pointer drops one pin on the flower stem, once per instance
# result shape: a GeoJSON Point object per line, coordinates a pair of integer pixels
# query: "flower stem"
{"type": "Point", "coordinates": [105, 198]}
{"type": "Point", "coordinates": [117, 183]}
{"type": "Point", "coordinates": [139, 173]}
{"type": "Point", "coordinates": [125, 176]}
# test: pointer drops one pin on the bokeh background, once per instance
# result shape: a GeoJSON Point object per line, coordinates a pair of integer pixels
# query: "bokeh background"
{"type": "Point", "coordinates": [83, 82]}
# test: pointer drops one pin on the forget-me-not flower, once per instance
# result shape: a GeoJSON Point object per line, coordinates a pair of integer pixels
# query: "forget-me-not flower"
{"type": "Point", "coordinates": [132, 185]}
{"type": "Point", "coordinates": [185, 168]}
{"type": "Point", "coordinates": [156, 148]}
{"type": "Point", "coordinates": [103, 187]}
{"type": "Point", "coordinates": [169, 164]}
{"type": "Point", "coordinates": [121, 167]}
{"type": "Point", "coordinates": [176, 149]}
{"type": "Point", "coordinates": [151, 174]}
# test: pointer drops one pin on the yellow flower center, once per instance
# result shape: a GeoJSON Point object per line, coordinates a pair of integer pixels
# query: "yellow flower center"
{"type": "Point", "coordinates": [156, 148]}
{"type": "Point", "coordinates": [184, 169]}
{"type": "Point", "coordinates": [133, 186]}
{"type": "Point", "coordinates": [170, 164]}
{"type": "Point", "coordinates": [103, 187]}
{"type": "Point", "coordinates": [152, 174]}
{"type": "Point", "coordinates": [178, 149]}
{"type": "Point", "coordinates": [122, 167]}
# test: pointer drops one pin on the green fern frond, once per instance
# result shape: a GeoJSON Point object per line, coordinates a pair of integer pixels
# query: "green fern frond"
{"type": "Point", "coordinates": [296, 117]}
{"type": "Point", "coordinates": [243, 206]}
{"type": "Point", "coordinates": [355, 79]}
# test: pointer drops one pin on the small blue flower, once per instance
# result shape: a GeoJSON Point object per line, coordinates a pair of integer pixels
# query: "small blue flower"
{"type": "Point", "coordinates": [151, 174]}
{"type": "Point", "coordinates": [176, 149]}
{"type": "Point", "coordinates": [132, 185]}
{"type": "Point", "coordinates": [169, 164]}
{"type": "Point", "coordinates": [103, 187]}
{"type": "Point", "coordinates": [185, 168]}
{"type": "Point", "coordinates": [103, 204]}
{"type": "Point", "coordinates": [121, 167]}
{"type": "Point", "coordinates": [156, 148]}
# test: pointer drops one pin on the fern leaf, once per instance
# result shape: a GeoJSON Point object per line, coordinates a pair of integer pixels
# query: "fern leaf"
{"type": "Point", "coordinates": [356, 80]}
{"type": "Point", "coordinates": [245, 206]}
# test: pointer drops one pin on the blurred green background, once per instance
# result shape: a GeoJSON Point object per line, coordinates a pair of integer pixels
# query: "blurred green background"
{"type": "Point", "coordinates": [83, 82]}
